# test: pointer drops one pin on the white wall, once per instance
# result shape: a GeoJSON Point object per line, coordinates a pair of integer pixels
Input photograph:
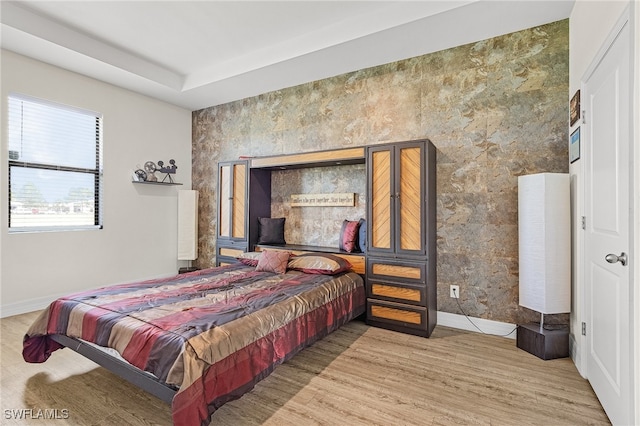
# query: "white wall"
{"type": "Point", "coordinates": [139, 239]}
{"type": "Point", "coordinates": [590, 24]}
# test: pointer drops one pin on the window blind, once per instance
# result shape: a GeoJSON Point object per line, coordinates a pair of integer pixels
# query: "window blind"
{"type": "Point", "coordinates": [55, 166]}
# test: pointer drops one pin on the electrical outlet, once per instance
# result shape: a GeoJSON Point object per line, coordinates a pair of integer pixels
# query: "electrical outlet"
{"type": "Point", "coordinates": [454, 291]}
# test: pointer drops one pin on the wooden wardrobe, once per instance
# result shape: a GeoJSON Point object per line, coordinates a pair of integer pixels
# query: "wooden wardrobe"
{"type": "Point", "coordinates": [243, 196]}
{"type": "Point", "coordinates": [401, 237]}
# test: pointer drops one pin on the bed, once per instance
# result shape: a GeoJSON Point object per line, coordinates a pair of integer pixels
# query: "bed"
{"type": "Point", "coordinates": [205, 337]}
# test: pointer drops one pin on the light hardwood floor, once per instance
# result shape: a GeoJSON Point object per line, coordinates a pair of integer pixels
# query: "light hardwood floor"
{"type": "Point", "coordinates": [358, 375]}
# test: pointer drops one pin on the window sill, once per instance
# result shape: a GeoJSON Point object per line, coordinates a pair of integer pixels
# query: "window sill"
{"type": "Point", "coordinates": [39, 230]}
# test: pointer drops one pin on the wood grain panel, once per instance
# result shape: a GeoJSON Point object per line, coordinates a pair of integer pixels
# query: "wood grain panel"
{"type": "Point", "coordinates": [224, 215]}
{"type": "Point", "coordinates": [357, 262]}
{"type": "Point", "coordinates": [381, 200]}
{"type": "Point", "coordinates": [396, 314]}
{"type": "Point", "coordinates": [410, 200]}
{"type": "Point", "coordinates": [239, 193]}
{"type": "Point", "coordinates": [310, 157]}
{"type": "Point", "coordinates": [229, 252]}
{"type": "Point", "coordinates": [403, 293]}
{"type": "Point", "coordinates": [396, 271]}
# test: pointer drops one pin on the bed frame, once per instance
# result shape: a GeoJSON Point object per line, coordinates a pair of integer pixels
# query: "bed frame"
{"type": "Point", "coordinates": [148, 381]}
{"type": "Point", "coordinates": [119, 367]}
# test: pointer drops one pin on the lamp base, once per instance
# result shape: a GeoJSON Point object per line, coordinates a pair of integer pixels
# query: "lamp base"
{"type": "Point", "coordinates": [546, 343]}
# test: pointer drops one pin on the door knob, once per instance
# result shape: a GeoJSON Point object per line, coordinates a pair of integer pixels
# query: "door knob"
{"type": "Point", "coordinates": [612, 258]}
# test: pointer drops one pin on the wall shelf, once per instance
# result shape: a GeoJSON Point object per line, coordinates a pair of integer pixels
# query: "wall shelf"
{"type": "Point", "coordinates": [156, 183]}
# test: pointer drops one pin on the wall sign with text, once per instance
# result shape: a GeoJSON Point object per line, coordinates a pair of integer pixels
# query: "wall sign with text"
{"type": "Point", "coordinates": [346, 199]}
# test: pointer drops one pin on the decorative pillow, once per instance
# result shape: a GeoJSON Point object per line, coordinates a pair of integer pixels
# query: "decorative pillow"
{"type": "Point", "coordinates": [250, 258]}
{"type": "Point", "coordinates": [348, 235]}
{"type": "Point", "coordinates": [319, 263]}
{"type": "Point", "coordinates": [273, 261]}
{"type": "Point", "coordinates": [362, 235]}
{"type": "Point", "coordinates": [271, 230]}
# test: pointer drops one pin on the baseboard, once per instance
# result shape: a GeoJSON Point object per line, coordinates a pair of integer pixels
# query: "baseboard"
{"type": "Point", "coordinates": [575, 354]}
{"type": "Point", "coordinates": [461, 322]}
{"type": "Point", "coordinates": [39, 303]}
{"type": "Point", "coordinates": [30, 305]}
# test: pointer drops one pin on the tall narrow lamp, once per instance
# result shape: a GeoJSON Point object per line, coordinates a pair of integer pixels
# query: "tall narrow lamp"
{"type": "Point", "coordinates": [544, 239]}
{"type": "Point", "coordinates": [187, 227]}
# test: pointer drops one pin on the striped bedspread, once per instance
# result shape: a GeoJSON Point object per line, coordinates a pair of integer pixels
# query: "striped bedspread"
{"type": "Point", "coordinates": [212, 333]}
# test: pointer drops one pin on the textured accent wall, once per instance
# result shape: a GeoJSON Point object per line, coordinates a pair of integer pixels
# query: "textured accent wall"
{"type": "Point", "coordinates": [495, 109]}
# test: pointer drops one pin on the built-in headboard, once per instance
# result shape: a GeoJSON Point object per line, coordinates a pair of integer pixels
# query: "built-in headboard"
{"type": "Point", "coordinates": [357, 260]}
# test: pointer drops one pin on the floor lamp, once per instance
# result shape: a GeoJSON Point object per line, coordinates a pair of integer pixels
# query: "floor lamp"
{"type": "Point", "coordinates": [187, 228]}
{"type": "Point", "coordinates": [544, 240]}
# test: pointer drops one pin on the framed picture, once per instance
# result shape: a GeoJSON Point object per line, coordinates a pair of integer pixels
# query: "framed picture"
{"type": "Point", "coordinates": [574, 146]}
{"type": "Point", "coordinates": [574, 108]}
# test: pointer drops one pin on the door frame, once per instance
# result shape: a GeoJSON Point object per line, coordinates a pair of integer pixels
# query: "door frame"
{"type": "Point", "coordinates": [634, 21]}
{"type": "Point", "coordinates": [631, 17]}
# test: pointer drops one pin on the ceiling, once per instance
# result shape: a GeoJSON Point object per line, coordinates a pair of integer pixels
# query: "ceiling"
{"type": "Point", "coordinates": [197, 54]}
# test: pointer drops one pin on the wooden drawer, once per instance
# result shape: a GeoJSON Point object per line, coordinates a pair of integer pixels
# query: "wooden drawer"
{"type": "Point", "coordinates": [397, 314]}
{"type": "Point", "coordinates": [229, 251]}
{"type": "Point", "coordinates": [397, 292]}
{"type": "Point", "coordinates": [396, 270]}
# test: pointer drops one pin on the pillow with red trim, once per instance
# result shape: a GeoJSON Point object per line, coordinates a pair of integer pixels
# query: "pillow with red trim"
{"type": "Point", "coordinates": [249, 258]}
{"type": "Point", "coordinates": [319, 263]}
{"type": "Point", "coordinates": [348, 235]}
{"type": "Point", "coordinates": [273, 261]}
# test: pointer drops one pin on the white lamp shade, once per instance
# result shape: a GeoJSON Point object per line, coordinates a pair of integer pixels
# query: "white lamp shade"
{"type": "Point", "coordinates": [544, 232]}
{"type": "Point", "coordinates": [187, 225]}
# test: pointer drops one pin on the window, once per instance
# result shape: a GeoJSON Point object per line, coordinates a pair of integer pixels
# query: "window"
{"type": "Point", "coordinates": [55, 166]}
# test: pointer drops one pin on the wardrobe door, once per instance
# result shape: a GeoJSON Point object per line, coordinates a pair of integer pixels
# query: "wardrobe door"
{"type": "Point", "coordinates": [232, 200]}
{"type": "Point", "coordinates": [381, 200]}
{"type": "Point", "coordinates": [238, 202]}
{"type": "Point", "coordinates": [410, 205]}
{"type": "Point", "coordinates": [224, 200]}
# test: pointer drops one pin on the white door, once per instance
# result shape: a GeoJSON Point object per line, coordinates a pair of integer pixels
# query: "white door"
{"type": "Point", "coordinates": [606, 99]}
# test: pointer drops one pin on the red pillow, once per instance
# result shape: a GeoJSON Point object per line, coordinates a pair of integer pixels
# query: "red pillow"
{"type": "Point", "coordinates": [349, 235]}
{"type": "Point", "coordinates": [273, 261]}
